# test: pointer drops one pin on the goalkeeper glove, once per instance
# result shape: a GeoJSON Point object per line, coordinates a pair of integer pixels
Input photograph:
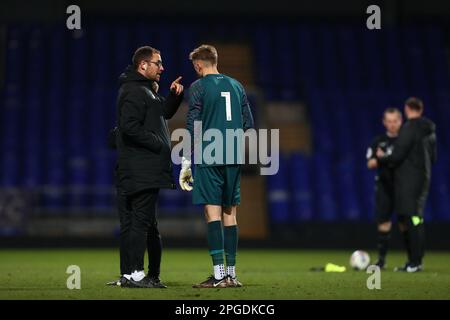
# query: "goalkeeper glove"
{"type": "Point", "coordinates": [186, 175]}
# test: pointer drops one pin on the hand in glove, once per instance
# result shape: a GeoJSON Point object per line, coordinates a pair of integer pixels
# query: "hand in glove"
{"type": "Point", "coordinates": [186, 175]}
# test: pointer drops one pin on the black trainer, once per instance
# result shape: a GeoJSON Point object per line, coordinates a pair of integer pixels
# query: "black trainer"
{"type": "Point", "coordinates": [409, 267]}
{"type": "Point", "coordinates": [381, 264]}
{"type": "Point", "coordinates": [157, 282]}
{"type": "Point", "coordinates": [146, 282]}
{"type": "Point", "coordinates": [124, 282]}
{"type": "Point", "coordinates": [212, 282]}
{"type": "Point", "coordinates": [402, 268]}
{"type": "Point", "coordinates": [121, 282]}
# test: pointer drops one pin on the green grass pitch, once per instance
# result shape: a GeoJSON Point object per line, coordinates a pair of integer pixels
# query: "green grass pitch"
{"type": "Point", "coordinates": [266, 274]}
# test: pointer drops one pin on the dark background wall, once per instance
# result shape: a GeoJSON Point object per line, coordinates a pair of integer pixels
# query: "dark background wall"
{"type": "Point", "coordinates": [393, 10]}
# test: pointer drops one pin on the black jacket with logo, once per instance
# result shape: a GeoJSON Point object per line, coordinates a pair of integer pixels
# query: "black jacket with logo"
{"type": "Point", "coordinates": [142, 134]}
{"type": "Point", "coordinates": [385, 174]}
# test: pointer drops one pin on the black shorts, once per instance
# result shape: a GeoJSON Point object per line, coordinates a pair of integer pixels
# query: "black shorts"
{"type": "Point", "coordinates": [384, 201]}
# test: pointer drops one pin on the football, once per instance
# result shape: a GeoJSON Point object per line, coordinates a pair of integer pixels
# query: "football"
{"type": "Point", "coordinates": [359, 260]}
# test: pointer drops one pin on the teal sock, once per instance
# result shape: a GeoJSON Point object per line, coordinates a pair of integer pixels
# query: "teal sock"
{"type": "Point", "coordinates": [215, 242]}
{"type": "Point", "coordinates": [231, 243]}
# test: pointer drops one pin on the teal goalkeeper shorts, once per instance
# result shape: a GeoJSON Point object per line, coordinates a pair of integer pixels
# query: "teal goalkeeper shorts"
{"type": "Point", "coordinates": [217, 185]}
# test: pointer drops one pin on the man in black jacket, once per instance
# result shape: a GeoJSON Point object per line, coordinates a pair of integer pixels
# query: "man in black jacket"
{"type": "Point", "coordinates": [154, 246]}
{"type": "Point", "coordinates": [144, 163]}
{"type": "Point", "coordinates": [384, 180]}
{"type": "Point", "coordinates": [412, 155]}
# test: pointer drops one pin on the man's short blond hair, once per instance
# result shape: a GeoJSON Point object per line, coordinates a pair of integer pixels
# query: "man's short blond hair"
{"type": "Point", "coordinates": [205, 52]}
{"type": "Point", "coordinates": [392, 110]}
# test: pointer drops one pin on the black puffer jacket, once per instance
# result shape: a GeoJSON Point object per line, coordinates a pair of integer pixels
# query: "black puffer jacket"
{"type": "Point", "coordinates": [142, 136]}
{"type": "Point", "coordinates": [413, 154]}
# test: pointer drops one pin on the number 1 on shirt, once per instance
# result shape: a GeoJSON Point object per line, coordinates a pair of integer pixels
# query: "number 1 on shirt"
{"type": "Point", "coordinates": [226, 94]}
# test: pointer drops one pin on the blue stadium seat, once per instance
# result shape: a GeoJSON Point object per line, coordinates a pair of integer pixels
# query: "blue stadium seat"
{"type": "Point", "coordinates": [53, 198]}
{"type": "Point", "coordinates": [351, 66]}
{"type": "Point", "coordinates": [287, 77]}
{"type": "Point", "coordinates": [300, 187]}
{"type": "Point", "coordinates": [308, 61]}
{"type": "Point", "coordinates": [395, 67]}
{"type": "Point", "coordinates": [347, 192]}
{"type": "Point", "coordinates": [324, 194]}
{"type": "Point", "coordinates": [278, 194]}
{"type": "Point", "coordinates": [329, 66]}
{"type": "Point", "coordinates": [263, 62]}
{"type": "Point", "coordinates": [121, 49]}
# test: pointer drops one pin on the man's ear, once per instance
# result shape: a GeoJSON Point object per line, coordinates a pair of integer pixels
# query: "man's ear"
{"type": "Point", "coordinates": [143, 66]}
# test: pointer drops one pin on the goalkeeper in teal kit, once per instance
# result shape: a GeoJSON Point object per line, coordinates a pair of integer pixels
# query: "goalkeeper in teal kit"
{"type": "Point", "coordinates": [219, 103]}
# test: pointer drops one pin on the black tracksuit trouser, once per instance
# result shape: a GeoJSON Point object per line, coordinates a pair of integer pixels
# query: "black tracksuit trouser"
{"type": "Point", "coordinates": [138, 231]}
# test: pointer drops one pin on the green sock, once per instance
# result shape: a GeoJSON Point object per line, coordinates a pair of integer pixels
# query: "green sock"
{"type": "Point", "coordinates": [231, 243]}
{"type": "Point", "coordinates": [215, 241]}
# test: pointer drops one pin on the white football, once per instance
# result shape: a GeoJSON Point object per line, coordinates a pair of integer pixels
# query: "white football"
{"type": "Point", "coordinates": [359, 260]}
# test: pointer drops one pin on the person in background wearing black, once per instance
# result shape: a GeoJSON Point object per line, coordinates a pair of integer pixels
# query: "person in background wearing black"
{"type": "Point", "coordinates": [384, 180]}
{"type": "Point", "coordinates": [412, 156]}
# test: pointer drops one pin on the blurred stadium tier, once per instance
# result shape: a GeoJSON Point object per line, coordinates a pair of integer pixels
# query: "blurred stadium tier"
{"type": "Point", "coordinates": [323, 84]}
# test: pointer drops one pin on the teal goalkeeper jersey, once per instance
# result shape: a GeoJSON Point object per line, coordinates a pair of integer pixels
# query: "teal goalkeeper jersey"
{"type": "Point", "coordinates": [221, 104]}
